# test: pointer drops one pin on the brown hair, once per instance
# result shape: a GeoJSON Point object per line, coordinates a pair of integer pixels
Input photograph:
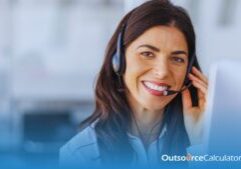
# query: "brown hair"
{"type": "Point", "coordinates": [112, 109]}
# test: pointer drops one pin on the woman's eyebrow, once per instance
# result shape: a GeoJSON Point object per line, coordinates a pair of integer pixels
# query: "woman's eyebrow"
{"type": "Point", "coordinates": [150, 47]}
{"type": "Point", "coordinates": [158, 50]}
{"type": "Point", "coordinates": [179, 52]}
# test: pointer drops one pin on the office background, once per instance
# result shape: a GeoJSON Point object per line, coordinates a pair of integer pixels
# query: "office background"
{"type": "Point", "coordinates": [52, 50]}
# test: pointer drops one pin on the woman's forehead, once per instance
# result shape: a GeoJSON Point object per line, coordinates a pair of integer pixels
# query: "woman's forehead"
{"type": "Point", "coordinates": [163, 37]}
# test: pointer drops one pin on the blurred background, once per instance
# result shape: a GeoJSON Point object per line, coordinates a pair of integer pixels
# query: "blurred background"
{"type": "Point", "coordinates": [52, 50]}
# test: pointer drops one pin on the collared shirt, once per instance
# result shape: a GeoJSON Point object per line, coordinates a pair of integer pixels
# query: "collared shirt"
{"type": "Point", "coordinates": [83, 149]}
{"type": "Point", "coordinates": [151, 155]}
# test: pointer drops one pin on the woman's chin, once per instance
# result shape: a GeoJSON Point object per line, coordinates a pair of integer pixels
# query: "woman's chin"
{"type": "Point", "coordinates": [154, 105]}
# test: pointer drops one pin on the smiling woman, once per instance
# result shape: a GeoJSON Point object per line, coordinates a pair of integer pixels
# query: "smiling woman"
{"type": "Point", "coordinates": [151, 52]}
{"type": "Point", "coordinates": [155, 61]}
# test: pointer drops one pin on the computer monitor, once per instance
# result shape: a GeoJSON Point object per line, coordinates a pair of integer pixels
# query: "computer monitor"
{"type": "Point", "coordinates": [223, 115]}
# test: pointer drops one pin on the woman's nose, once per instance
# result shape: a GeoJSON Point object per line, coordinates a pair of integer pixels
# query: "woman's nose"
{"type": "Point", "coordinates": [161, 69]}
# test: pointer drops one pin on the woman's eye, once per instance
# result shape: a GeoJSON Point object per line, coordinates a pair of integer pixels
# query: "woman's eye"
{"type": "Point", "coordinates": [148, 55]}
{"type": "Point", "coordinates": [178, 59]}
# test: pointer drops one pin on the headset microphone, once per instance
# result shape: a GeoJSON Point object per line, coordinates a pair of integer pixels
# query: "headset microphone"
{"type": "Point", "coordinates": [171, 92]}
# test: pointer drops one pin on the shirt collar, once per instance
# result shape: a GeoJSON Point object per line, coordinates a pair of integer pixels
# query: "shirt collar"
{"type": "Point", "coordinates": [163, 132]}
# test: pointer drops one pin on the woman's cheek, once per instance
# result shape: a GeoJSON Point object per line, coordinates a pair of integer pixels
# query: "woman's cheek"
{"type": "Point", "coordinates": [129, 79]}
{"type": "Point", "coordinates": [132, 78]}
{"type": "Point", "coordinates": [180, 77]}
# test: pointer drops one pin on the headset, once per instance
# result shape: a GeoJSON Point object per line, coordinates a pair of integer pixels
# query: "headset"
{"type": "Point", "coordinates": [118, 59]}
{"type": "Point", "coordinates": [119, 65]}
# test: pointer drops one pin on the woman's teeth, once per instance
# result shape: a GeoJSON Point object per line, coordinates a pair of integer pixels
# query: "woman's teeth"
{"type": "Point", "coordinates": [155, 87]}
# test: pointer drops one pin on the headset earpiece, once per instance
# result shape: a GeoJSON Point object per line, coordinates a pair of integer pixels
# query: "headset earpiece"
{"type": "Point", "coordinates": [118, 60]}
{"type": "Point", "coordinates": [189, 69]}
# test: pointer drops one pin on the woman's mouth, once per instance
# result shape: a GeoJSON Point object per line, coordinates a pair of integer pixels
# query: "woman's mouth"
{"type": "Point", "coordinates": [155, 88]}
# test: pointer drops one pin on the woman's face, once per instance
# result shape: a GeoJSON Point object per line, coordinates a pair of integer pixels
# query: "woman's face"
{"type": "Point", "coordinates": [156, 60]}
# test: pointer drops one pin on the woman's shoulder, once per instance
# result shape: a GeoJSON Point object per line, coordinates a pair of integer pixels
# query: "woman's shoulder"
{"type": "Point", "coordinates": [81, 148]}
{"type": "Point", "coordinates": [84, 138]}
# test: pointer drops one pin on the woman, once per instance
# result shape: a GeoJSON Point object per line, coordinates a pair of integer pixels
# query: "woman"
{"type": "Point", "coordinates": [139, 113]}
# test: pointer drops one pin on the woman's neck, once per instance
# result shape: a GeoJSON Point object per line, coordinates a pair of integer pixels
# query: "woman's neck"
{"type": "Point", "coordinates": [146, 125]}
{"type": "Point", "coordinates": [146, 120]}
